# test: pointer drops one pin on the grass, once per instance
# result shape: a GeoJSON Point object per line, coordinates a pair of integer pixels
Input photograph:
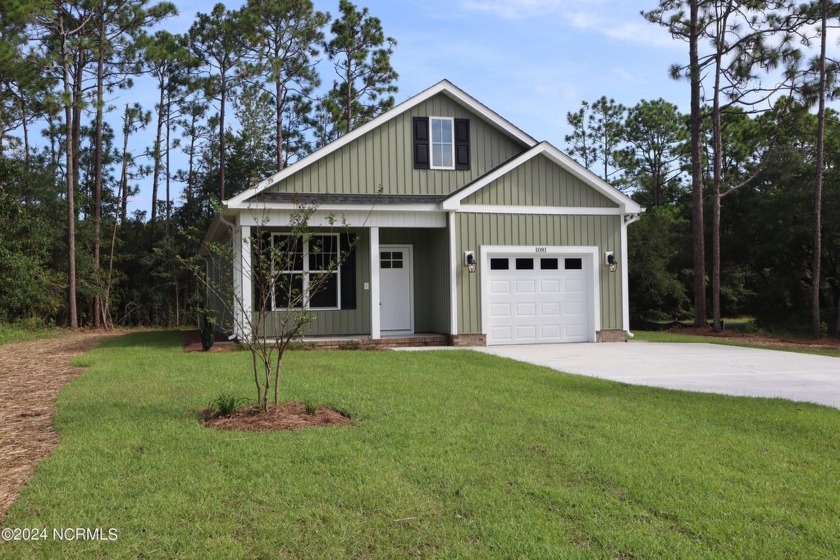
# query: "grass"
{"type": "Point", "coordinates": [21, 333]}
{"type": "Point", "coordinates": [668, 336]}
{"type": "Point", "coordinates": [452, 454]}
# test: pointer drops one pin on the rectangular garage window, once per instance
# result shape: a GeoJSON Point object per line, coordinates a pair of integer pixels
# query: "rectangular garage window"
{"type": "Point", "coordinates": [524, 264]}
{"type": "Point", "coordinates": [549, 264]}
{"type": "Point", "coordinates": [574, 264]}
{"type": "Point", "coordinates": [499, 264]}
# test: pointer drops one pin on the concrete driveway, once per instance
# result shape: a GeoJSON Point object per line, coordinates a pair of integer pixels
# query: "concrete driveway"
{"type": "Point", "coordinates": [708, 368]}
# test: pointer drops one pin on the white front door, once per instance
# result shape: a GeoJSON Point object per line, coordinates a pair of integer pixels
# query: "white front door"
{"type": "Point", "coordinates": [396, 292]}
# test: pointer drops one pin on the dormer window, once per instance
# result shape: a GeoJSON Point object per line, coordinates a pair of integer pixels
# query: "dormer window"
{"type": "Point", "coordinates": [441, 143]}
{"type": "Point", "coordinates": [443, 147]}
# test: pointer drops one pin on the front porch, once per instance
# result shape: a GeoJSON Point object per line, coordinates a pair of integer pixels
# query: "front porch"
{"type": "Point", "coordinates": [397, 282]}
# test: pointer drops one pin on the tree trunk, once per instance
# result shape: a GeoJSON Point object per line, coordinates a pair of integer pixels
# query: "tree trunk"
{"type": "Point", "coordinates": [73, 317]}
{"type": "Point", "coordinates": [168, 129]}
{"type": "Point", "coordinates": [717, 139]}
{"type": "Point", "coordinates": [349, 100]}
{"type": "Point", "coordinates": [278, 134]}
{"type": "Point", "coordinates": [816, 324]}
{"type": "Point", "coordinates": [156, 154]}
{"type": "Point", "coordinates": [97, 171]}
{"type": "Point", "coordinates": [222, 137]}
{"type": "Point", "coordinates": [697, 172]}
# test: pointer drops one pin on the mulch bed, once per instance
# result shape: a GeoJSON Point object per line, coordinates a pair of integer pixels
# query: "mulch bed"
{"type": "Point", "coordinates": [288, 416]}
{"type": "Point", "coordinates": [31, 375]}
{"type": "Point", "coordinates": [831, 344]}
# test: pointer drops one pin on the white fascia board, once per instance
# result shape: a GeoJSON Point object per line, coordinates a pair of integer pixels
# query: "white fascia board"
{"type": "Point", "coordinates": [540, 210]}
{"type": "Point", "coordinates": [626, 204]}
{"type": "Point", "coordinates": [444, 86]}
{"type": "Point", "coordinates": [288, 206]}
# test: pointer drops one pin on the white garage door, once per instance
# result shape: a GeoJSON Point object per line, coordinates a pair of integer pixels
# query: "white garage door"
{"type": "Point", "coordinates": [538, 299]}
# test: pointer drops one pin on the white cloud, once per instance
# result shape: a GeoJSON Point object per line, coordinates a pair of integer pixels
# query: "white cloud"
{"type": "Point", "coordinates": [610, 18]}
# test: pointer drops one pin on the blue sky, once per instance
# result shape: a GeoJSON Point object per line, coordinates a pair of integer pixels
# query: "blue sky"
{"type": "Point", "coordinates": [532, 61]}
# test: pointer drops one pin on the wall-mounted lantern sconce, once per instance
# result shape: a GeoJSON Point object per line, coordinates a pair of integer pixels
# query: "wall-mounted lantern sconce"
{"type": "Point", "coordinates": [609, 261]}
{"type": "Point", "coordinates": [469, 261]}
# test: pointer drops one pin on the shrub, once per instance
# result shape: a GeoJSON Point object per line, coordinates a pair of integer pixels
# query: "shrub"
{"type": "Point", "coordinates": [225, 405]}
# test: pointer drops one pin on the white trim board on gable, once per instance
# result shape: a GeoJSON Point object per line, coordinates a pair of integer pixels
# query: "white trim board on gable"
{"type": "Point", "coordinates": [444, 86]}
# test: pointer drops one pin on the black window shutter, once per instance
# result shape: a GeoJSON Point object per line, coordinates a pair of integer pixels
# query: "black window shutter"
{"type": "Point", "coordinates": [421, 142]}
{"type": "Point", "coordinates": [462, 143]}
{"type": "Point", "coordinates": [348, 271]}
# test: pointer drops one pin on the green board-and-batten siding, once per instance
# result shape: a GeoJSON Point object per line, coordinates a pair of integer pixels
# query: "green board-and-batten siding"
{"type": "Point", "coordinates": [381, 160]}
{"type": "Point", "coordinates": [540, 182]}
{"type": "Point", "coordinates": [476, 230]}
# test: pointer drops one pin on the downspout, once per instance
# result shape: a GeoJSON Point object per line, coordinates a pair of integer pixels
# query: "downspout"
{"type": "Point", "coordinates": [627, 219]}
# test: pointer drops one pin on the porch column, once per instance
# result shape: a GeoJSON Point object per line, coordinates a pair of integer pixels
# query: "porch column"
{"type": "Point", "coordinates": [242, 281]}
{"type": "Point", "coordinates": [375, 330]}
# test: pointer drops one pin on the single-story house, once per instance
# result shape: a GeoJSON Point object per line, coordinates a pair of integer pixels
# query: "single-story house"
{"type": "Point", "coordinates": [464, 225]}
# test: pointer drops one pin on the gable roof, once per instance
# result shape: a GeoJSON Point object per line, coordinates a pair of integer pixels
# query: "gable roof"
{"type": "Point", "coordinates": [625, 203]}
{"type": "Point", "coordinates": [444, 86]}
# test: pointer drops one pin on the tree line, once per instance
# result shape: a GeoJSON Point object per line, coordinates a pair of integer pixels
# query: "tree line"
{"type": "Point", "coordinates": [741, 193]}
{"type": "Point", "coordinates": [238, 96]}
{"type": "Point", "coordinates": [758, 151]}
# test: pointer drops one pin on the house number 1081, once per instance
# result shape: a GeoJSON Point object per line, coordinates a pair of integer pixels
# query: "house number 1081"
{"type": "Point", "coordinates": [541, 250]}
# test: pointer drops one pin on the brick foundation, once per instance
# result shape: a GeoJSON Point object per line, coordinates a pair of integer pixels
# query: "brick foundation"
{"type": "Point", "coordinates": [470, 339]}
{"type": "Point", "coordinates": [613, 335]}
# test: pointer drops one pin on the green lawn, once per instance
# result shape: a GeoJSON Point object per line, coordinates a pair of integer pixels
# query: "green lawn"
{"type": "Point", "coordinates": [452, 454]}
{"type": "Point", "coordinates": [17, 333]}
{"type": "Point", "coordinates": [669, 336]}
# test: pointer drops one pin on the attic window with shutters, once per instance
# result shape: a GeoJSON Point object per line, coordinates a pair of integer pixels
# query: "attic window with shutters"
{"type": "Point", "coordinates": [441, 143]}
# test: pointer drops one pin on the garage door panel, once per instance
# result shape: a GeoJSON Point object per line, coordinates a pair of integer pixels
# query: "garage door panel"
{"type": "Point", "coordinates": [548, 332]}
{"type": "Point", "coordinates": [526, 309]}
{"type": "Point", "coordinates": [500, 286]}
{"type": "Point", "coordinates": [550, 309]}
{"type": "Point", "coordinates": [575, 286]}
{"type": "Point", "coordinates": [501, 334]}
{"type": "Point", "coordinates": [539, 304]}
{"type": "Point", "coordinates": [526, 332]}
{"type": "Point", "coordinates": [500, 310]}
{"type": "Point", "coordinates": [575, 308]}
{"type": "Point", "coordinates": [526, 287]}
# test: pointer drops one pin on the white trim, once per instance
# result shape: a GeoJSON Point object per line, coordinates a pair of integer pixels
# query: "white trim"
{"type": "Point", "coordinates": [444, 86]}
{"type": "Point", "coordinates": [453, 277]}
{"type": "Point", "coordinates": [584, 251]}
{"type": "Point", "coordinates": [549, 210]}
{"type": "Point", "coordinates": [410, 247]}
{"type": "Point", "coordinates": [241, 244]}
{"type": "Point", "coordinates": [625, 274]}
{"type": "Point", "coordinates": [451, 122]}
{"type": "Point", "coordinates": [289, 206]}
{"type": "Point", "coordinates": [625, 203]}
{"type": "Point", "coordinates": [339, 220]}
{"type": "Point", "coordinates": [375, 320]}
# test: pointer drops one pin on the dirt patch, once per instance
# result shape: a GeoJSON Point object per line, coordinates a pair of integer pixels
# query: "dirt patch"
{"type": "Point", "coordinates": [288, 416]}
{"type": "Point", "coordinates": [830, 344]}
{"type": "Point", "coordinates": [31, 375]}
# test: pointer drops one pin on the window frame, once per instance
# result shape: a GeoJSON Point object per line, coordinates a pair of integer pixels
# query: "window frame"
{"type": "Point", "coordinates": [432, 143]}
{"type": "Point", "coordinates": [306, 271]}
